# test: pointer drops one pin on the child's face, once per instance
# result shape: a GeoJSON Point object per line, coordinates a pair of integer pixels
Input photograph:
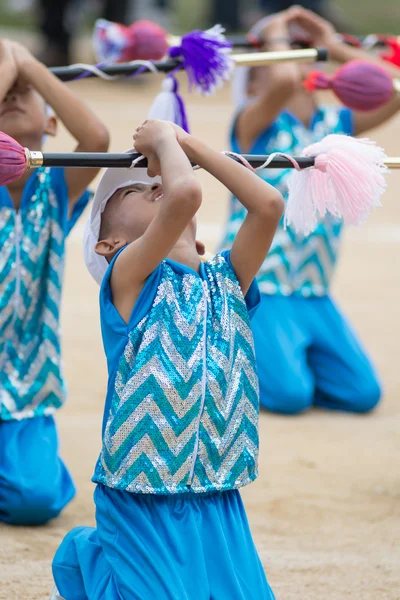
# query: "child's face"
{"type": "Point", "coordinates": [23, 113]}
{"type": "Point", "coordinates": [135, 207]}
{"type": "Point", "coordinates": [128, 214]}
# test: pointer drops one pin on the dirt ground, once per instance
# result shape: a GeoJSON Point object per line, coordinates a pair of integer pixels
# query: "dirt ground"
{"type": "Point", "coordinates": [325, 510]}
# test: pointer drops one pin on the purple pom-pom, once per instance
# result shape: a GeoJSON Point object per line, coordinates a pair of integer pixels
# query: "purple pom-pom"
{"type": "Point", "coordinates": [206, 58]}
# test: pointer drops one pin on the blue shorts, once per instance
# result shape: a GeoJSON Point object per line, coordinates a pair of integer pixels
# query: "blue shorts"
{"type": "Point", "coordinates": [148, 547]}
{"type": "Point", "coordinates": [308, 355]}
{"type": "Point", "coordinates": [34, 482]}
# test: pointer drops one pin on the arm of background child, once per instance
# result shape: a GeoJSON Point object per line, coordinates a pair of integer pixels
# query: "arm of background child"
{"type": "Point", "coordinates": [365, 121]}
{"type": "Point", "coordinates": [341, 53]}
{"type": "Point", "coordinates": [322, 33]}
{"type": "Point", "coordinates": [88, 131]}
{"type": "Point", "coordinates": [182, 198]}
{"type": "Point", "coordinates": [263, 202]}
{"type": "Point", "coordinates": [282, 81]}
{"type": "Point", "coordinates": [8, 69]}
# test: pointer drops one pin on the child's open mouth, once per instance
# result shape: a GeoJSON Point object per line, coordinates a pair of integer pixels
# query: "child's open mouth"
{"type": "Point", "coordinates": [11, 109]}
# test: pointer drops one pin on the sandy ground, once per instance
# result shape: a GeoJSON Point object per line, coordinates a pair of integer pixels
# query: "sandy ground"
{"type": "Point", "coordinates": [325, 510]}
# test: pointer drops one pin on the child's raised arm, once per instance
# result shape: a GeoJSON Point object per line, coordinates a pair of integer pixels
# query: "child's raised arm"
{"type": "Point", "coordinates": [281, 82]}
{"type": "Point", "coordinates": [263, 202]}
{"type": "Point", "coordinates": [8, 69]}
{"type": "Point", "coordinates": [157, 140]}
{"type": "Point", "coordinates": [365, 121]}
{"type": "Point", "coordinates": [89, 132]}
{"type": "Point", "coordinates": [322, 33]}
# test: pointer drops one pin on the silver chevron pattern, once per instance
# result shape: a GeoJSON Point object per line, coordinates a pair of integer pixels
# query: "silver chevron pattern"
{"type": "Point", "coordinates": [31, 380]}
{"type": "Point", "coordinates": [150, 434]}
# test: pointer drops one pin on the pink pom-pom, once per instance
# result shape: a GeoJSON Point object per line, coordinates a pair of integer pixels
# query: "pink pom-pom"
{"type": "Point", "coordinates": [347, 182]}
{"type": "Point", "coordinates": [143, 40]}
{"type": "Point", "coordinates": [360, 85]}
{"type": "Point", "coordinates": [12, 159]}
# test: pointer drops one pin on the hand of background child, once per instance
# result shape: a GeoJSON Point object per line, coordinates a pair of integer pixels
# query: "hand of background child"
{"type": "Point", "coordinates": [22, 57]}
{"type": "Point", "coordinates": [148, 138]}
{"type": "Point", "coordinates": [321, 33]}
{"type": "Point", "coordinates": [275, 32]}
{"type": "Point", "coordinates": [270, 87]}
{"type": "Point", "coordinates": [8, 68]}
{"type": "Point", "coordinates": [89, 133]}
{"type": "Point", "coordinates": [6, 56]}
{"type": "Point", "coordinates": [181, 134]}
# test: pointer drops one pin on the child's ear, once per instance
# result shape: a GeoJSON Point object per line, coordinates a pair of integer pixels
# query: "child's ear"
{"type": "Point", "coordinates": [109, 247]}
{"type": "Point", "coordinates": [200, 247]}
{"type": "Point", "coordinates": [51, 125]}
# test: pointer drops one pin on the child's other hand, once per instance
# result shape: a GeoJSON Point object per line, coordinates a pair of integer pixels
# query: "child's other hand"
{"type": "Point", "coordinates": [275, 27]}
{"type": "Point", "coordinates": [149, 139]}
{"type": "Point", "coordinates": [7, 59]}
{"type": "Point", "coordinates": [181, 134]}
{"type": "Point", "coordinates": [150, 134]}
{"type": "Point", "coordinates": [22, 57]}
{"type": "Point", "coordinates": [321, 32]}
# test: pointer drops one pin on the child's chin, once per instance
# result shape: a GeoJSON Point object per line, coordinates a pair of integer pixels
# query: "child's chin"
{"type": "Point", "coordinates": [16, 129]}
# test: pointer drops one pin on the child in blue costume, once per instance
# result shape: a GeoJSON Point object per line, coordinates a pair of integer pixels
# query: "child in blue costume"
{"type": "Point", "coordinates": [307, 354]}
{"type": "Point", "coordinates": [36, 214]}
{"type": "Point", "coordinates": [180, 430]}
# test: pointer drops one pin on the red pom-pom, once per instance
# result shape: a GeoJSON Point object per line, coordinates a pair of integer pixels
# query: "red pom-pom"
{"type": "Point", "coordinates": [316, 80]}
{"type": "Point", "coordinates": [393, 56]}
{"type": "Point", "coordinates": [351, 40]}
{"type": "Point", "coordinates": [143, 40]}
{"type": "Point", "coordinates": [149, 41]}
{"type": "Point", "coordinates": [360, 85]}
{"type": "Point", "coordinates": [12, 159]}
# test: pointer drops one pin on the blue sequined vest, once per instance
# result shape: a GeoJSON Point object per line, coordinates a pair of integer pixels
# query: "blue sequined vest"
{"type": "Point", "coordinates": [31, 272]}
{"type": "Point", "coordinates": [184, 403]}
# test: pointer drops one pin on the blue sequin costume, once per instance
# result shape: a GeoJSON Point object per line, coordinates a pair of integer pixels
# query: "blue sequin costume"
{"type": "Point", "coordinates": [180, 427]}
{"type": "Point", "coordinates": [307, 354]}
{"type": "Point", "coordinates": [182, 407]}
{"type": "Point", "coordinates": [32, 242]}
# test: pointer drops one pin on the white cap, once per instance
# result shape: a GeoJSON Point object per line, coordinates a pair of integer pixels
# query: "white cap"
{"type": "Point", "coordinates": [113, 179]}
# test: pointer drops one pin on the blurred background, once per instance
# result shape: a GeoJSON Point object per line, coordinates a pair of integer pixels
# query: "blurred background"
{"type": "Point", "coordinates": [59, 30]}
{"type": "Point", "coordinates": [325, 511]}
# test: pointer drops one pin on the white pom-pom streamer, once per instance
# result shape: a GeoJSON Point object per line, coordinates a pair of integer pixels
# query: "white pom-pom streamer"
{"type": "Point", "coordinates": [168, 104]}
